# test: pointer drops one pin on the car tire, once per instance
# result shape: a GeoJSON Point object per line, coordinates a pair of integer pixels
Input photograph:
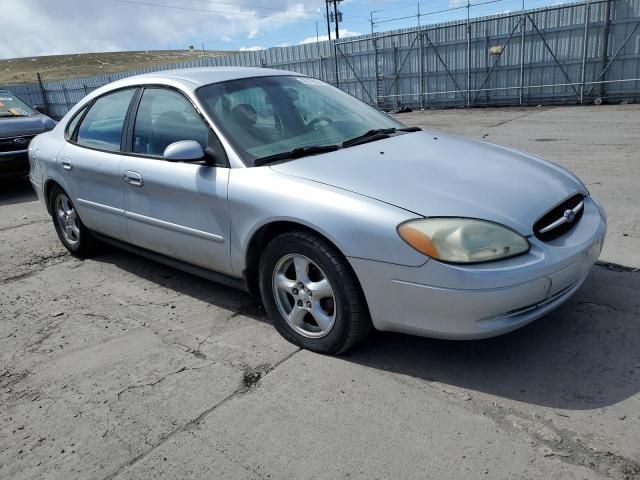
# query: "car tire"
{"type": "Point", "coordinates": [71, 231]}
{"type": "Point", "coordinates": [328, 314]}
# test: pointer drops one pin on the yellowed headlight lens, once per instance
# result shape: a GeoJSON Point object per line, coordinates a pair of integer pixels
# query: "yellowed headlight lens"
{"type": "Point", "coordinates": [462, 240]}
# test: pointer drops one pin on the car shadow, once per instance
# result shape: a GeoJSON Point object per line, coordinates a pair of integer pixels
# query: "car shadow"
{"type": "Point", "coordinates": [16, 190]}
{"type": "Point", "coordinates": [184, 283]}
{"type": "Point", "coordinates": [585, 355]}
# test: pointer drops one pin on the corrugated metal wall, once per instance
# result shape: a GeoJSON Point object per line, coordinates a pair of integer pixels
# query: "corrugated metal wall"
{"type": "Point", "coordinates": [437, 65]}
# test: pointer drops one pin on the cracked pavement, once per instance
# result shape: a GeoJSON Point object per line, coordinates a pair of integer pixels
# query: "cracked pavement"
{"type": "Point", "coordinates": [121, 368]}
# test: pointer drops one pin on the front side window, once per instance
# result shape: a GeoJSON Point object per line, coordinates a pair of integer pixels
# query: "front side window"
{"type": "Point", "coordinates": [165, 117]}
{"type": "Point", "coordinates": [102, 125]}
{"type": "Point", "coordinates": [265, 116]}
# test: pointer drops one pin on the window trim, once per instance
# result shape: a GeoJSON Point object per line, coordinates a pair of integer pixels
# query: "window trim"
{"type": "Point", "coordinates": [211, 138]}
{"type": "Point", "coordinates": [215, 145]}
{"type": "Point", "coordinates": [73, 139]}
{"type": "Point", "coordinates": [71, 135]}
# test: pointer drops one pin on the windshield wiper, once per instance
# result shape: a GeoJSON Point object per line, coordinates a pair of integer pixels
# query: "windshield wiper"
{"type": "Point", "coordinates": [295, 153]}
{"type": "Point", "coordinates": [376, 134]}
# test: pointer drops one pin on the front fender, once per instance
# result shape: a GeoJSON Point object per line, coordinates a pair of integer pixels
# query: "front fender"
{"type": "Point", "coordinates": [358, 226]}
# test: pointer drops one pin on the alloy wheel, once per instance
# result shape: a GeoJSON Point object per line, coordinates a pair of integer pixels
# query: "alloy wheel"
{"type": "Point", "coordinates": [304, 296]}
{"type": "Point", "coordinates": [67, 219]}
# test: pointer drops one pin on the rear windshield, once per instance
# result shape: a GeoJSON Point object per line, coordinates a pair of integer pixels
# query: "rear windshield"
{"type": "Point", "coordinates": [12, 106]}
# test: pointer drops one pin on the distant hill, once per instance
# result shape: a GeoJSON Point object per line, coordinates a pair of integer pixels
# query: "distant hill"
{"type": "Point", "coordinates": [61, 67]}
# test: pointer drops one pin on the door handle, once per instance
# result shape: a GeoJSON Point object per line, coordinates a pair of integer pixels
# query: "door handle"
{"type": "Point", "coordinates": [133, 178]}
{"type": "Point", "coordinates": [66, 164]}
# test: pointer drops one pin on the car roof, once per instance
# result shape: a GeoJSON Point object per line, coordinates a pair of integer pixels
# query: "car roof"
{"type": "Point", "coordinates": [199, 76]}
{"type": "Point", "coordinates": [189, 79]}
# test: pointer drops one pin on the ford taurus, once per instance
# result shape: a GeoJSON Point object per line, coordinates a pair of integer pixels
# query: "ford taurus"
{"type": "Point", "coordinates": [339, 217]}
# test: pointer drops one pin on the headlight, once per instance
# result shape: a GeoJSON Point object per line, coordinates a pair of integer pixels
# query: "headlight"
{"type": "Point", "coordinates": [462, 240]}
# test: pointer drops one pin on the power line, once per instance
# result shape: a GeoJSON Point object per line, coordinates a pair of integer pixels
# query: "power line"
{"type": "Point", "coordinates": [223, 12]}
{"type": "Point", "coordinates": [251, 6]}
{"type": "Point", "coordinates": [439, 11]}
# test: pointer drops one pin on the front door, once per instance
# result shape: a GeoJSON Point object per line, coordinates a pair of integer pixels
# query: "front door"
{"type": "Point", "coordinates": [174, 208]}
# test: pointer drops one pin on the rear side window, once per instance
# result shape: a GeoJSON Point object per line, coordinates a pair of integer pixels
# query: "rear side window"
{"type": "Point", "coordinates": [102, 125]}
{"type": "Point", "coordinates": [165, 117]}
{"type": "Point", "coordinates": [71, 127]}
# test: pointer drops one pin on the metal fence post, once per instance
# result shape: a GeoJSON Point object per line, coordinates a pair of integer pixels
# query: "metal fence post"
{"type": "Point", "coordinates": [587, 7]}
{"type": "Point", "coordinates": [396, 72]}
{"type": "Point", "coordinates": [468, 56]}
{"type": "Point", "coordinates": [523, 23]}
{"type": "Point", "coordinates": [421, 66]}
{"type": "Point", "coordinates": [66, 98]}
{"type": "Point", "coordinates": [605, 46]}
{"type": "Point", "coordinates": [376, 70]}
{"type": "Point", "coordinates": [335, 56]}
{"type": "Point", "coordinates": [44, 95]}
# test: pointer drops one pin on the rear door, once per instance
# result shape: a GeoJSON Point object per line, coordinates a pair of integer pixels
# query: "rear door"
{"type": "Point", "coordinates": [90, 163]}
{"type": "Point", "coordinates": [174, 208]}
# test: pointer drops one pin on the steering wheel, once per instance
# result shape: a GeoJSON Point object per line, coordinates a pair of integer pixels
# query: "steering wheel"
{"type": "Point", "coordinates": [321, 118]}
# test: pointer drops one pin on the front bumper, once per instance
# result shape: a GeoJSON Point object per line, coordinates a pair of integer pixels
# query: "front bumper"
{"type": "Point", "coordinates": [14, 164]}
{"type": "Point", "coordinates": [478, 301]}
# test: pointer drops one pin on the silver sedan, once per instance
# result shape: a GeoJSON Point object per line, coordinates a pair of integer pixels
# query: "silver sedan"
{"type": "Point", "coordinates": [340, 217]}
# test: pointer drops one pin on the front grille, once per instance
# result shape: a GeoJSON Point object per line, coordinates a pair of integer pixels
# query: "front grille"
{"type": "Point", "coordinates": [12, 144]}
{"type": "Point", "coordinates": [560, 219]}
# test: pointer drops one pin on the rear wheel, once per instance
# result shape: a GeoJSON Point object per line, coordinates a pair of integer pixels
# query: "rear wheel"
{"type": "Point", "coordinates": [311, 294]}
{"type": "Point", "coordinates": [72, 233]}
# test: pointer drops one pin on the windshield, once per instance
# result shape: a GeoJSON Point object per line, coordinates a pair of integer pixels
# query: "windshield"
{"type": "Point", "coordinates": [266, 116]}
{"type": "Point", "coordinates": [12, 106]}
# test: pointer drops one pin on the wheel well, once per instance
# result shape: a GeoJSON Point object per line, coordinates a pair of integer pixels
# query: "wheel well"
{"type": "Point", "coordinates": [261, 239]}
{"type": "Point", "coordinates": [49, 184]}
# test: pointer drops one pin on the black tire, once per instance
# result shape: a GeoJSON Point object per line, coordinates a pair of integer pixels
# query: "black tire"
{"type": "Point", "coordinates": [352, 321]}
{"type": "Point", "coordinates": [86, 244]}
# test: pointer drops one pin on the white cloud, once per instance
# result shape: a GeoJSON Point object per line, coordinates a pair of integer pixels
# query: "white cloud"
{"type": "Point", "coordinates": [344, 33]}
{"type": "Point", "coordinates": [251, 49]}
{"type": "Point", "coordinates": [457, 3]}
{"type": "Point", "coordinates": [33, 27]}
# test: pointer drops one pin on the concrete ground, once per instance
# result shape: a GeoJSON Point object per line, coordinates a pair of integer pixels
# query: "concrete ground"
{"type": "Point", "coordinates": [120, 368]}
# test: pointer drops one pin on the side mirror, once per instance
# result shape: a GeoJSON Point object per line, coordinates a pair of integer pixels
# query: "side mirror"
{"type": "Point", "coordinates": [40, 109]}
{"type": "Point", "coordinates": [183, 151]}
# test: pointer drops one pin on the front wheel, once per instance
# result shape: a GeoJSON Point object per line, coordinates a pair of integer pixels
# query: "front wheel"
{"type": "Point", "coordinates": [311, 294]}
{"type": "Point", "coordinates": [72, 233]}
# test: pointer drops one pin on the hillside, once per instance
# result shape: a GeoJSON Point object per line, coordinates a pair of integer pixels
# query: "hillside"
{"type": "Point", "coordinates": [60, 67]}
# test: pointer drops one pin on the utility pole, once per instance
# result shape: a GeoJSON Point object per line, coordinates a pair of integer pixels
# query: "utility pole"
{"type": "Point", "coordinates": [335, 13]}
{"type": "Point", "coordinates": [326, 4]}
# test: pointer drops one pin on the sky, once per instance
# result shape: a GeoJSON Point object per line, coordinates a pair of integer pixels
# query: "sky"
{"type": "Point", "coordinates": [48, 27]}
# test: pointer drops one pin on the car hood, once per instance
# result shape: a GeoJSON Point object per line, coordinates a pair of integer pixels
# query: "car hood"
{"type": "Point", "coordinates": [432, 174]}
{"type": "Point", "coordinates": [16, 126]}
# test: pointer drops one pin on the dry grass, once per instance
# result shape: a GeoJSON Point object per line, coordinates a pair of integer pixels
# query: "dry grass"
{"type": "Point", "coordinates": [61, 67]}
